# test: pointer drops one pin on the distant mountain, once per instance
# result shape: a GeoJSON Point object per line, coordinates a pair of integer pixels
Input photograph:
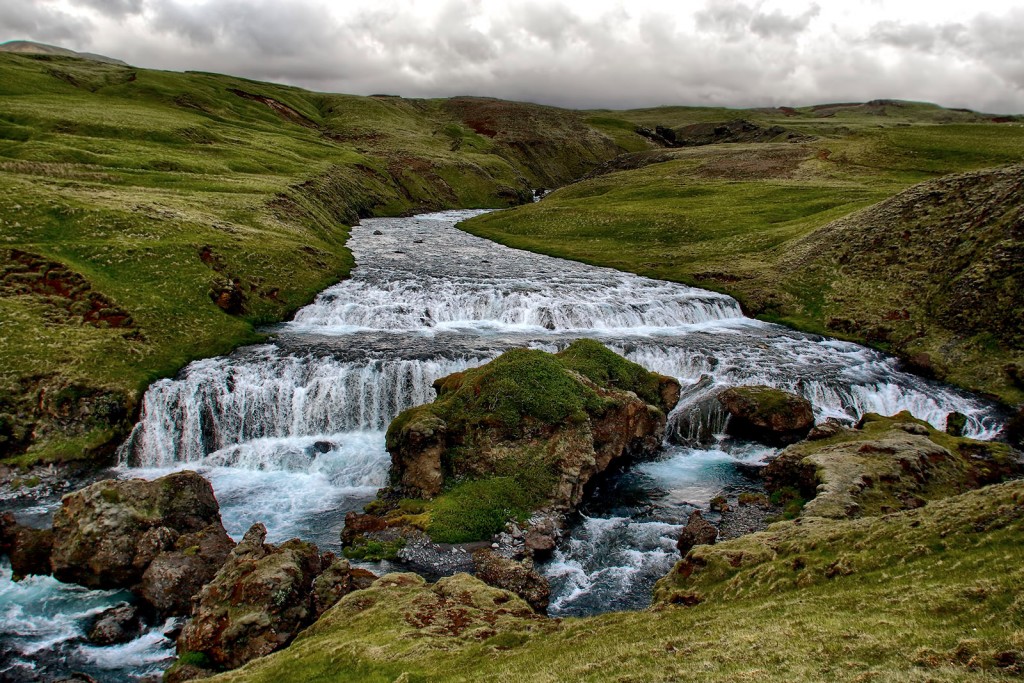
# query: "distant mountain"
{"type": "Point", "coordinates": [27, 47]}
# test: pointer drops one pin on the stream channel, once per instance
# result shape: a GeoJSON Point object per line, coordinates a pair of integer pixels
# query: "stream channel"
{"type": "Point", "coordinates": [291, 432]}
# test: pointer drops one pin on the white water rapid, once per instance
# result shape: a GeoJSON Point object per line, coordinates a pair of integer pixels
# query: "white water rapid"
{"type": "Point", "coordinates": [291, 432]}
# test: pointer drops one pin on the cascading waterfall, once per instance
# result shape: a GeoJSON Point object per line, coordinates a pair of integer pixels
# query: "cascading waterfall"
{"type": "Point", "coordinates": [291, 432]}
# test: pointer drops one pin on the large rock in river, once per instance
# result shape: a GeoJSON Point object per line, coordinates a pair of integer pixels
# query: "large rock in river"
{"type": "Point", "coordinates": [162, 538]}
{"type": "Point", "coordinates": [768, 415]}
{"type": "Point", "coordinates": [549, 422]}
{"type": "Point", "coordinates": [263, 596]}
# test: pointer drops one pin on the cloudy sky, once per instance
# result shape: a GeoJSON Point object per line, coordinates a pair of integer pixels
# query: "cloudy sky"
{"type": "Point", "coordinates": [593, 53]}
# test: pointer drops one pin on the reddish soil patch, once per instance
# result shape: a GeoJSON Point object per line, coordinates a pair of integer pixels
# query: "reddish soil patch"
{"type": "Point", "coordinates": [26, 274]}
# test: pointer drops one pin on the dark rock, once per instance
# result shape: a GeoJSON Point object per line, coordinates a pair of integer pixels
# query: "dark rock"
{"type": "Point", "coordinates": [768, 415]}
{"type": "Point", "coordinates": [31, 552]}
{"type": "Point", "coordinates": [357, 524]}
{"type": "Point", "coordinates": [116, 625]}
{"type": "Point", "coordinates": [1014, 430]}
{"type": "Point", "coordinates": [956, 422]}
{"type": "Point", "coordinates": [698, 531]}
{"type": "Point", "coordinates": [377, 232]}
{"type": "Point", "coordinates": [228, 296]}
{"type": "Point", "coordinates": [517, 577]}
{"type": "Point", "coordinates": [110, 534]}
{"type": "Point", "coordinates": [175, 576]}
{"type": "Point", "coordinates": [337, 580]}
{"type": "Point", "coordinates": [259, 601]}
{"type": "Point", "coordinates": [539, 543]}
{"type": "Point", "coordinates": [179, 673]}
{"type": "Point", "coordinates": [323, 446]}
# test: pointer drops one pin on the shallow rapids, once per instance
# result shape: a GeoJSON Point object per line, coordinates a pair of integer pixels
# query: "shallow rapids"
{"type": "Point", "coordinates": [291, 432]}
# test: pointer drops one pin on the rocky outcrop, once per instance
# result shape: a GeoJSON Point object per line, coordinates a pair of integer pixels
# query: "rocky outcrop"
{"type": "Point", "coordinates": [162, 538]}
{"type": "Point", "coordinates": [29, 549]}
{"type": "Point", "coordinates": [768, 415]}
{"type": "Point", "coordinates": [566, 417]}
{"type": "Point", "coordinates": [262, 597]}
{"type": "Point", "coordinates": [338, 579]}
{"type": "Point", "coordinates": [698, 531]}
{"type": "Point", "coordinates": [116, 625]}
{"type": "Point", "coordinates": [885, 465]}
{"type": "Point", "coordinates": [515, 576]}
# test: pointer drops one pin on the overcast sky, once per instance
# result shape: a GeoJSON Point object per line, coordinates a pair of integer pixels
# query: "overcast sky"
{"type": "Point", "coordinates": [598, 53]}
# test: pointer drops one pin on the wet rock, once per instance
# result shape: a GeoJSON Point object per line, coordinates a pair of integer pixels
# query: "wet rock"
{"type": "Point", "coordinates": [175, 576]}
{"type": "Point", "coordinates": [337, 580]}
{"type": "Point", "coordinates": [377, 232]}
{"type": "Point", "coordinates": [517, 577]}
{"type": "Point", "coordinates": [110, 534]}
{"type": "Point", "coordinates": [768, 415]}
{"type": "Point", "coordinates": [698, 531]}
{"type": "Point", "coordinates": [1014, 430]}
{"type": "Point", "coordinates": [956, 422]}
{"type": "Point", "coordinates": [31, 551]}
{"type": "Point", "coordinates": [541, 538]}
{"type": "Point", "coordinates": [259, 601]}
{"type": "Point", "coordinates": [116, 625]}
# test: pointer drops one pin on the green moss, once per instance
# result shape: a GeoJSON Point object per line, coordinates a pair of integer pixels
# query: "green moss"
{"type": "Point", "coordinates": [476, 510]}
{"type": "Point", "coordinates": [609, 370]}
{"type": "Point", "coordinates": [374, 551]}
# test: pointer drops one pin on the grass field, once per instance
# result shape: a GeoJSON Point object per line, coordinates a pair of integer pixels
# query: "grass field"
{"type": "Point", "coordinates": [729, 217]}
{"type": "Point", "coordinates": [927, 595]}
{"type": "Point", "coordinates": [131, 201]}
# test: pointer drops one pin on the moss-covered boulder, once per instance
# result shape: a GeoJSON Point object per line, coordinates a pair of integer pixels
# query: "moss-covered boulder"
{"type": "Point", "coordinates": [772, 416]}
{"type": "Point", "coordinates": [884, 465]}
{"type": "Point", "coordinates": [162, 538]}
{"type": "Point", "coordinates": [528, 430]}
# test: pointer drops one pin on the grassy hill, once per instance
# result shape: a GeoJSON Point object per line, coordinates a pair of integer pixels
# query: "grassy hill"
{"type": "Point", "coordinates": [149, 218]}
{"type": "Point", "coordinates": [934, 275]}
{"type": "Point", "coordinates": [927, 595]}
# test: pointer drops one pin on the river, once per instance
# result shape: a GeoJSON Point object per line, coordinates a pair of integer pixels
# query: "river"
{"type": "Point", "coordinates": [291, 432]}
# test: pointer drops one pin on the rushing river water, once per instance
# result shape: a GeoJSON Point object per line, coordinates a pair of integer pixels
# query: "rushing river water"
{"type": "Point", "coordinates": [291, 432]}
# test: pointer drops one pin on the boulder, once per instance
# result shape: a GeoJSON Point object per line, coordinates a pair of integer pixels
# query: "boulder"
{"type": "Point", "coordinates": [179, 573]}
{"type": "Point", "coordinates": [517, 577]}
{"type": "Point", "coordinates": [768, 415]}
{"type": "Point", "coordinates": [884, 465]}
{"type": "Point", "coordinates": [162, 538]}
{"type": "Point", "coordinates": [258, 602]}
{"type": "Point", "coordinates": [337, 580]}
{"type": "Point", "coordinates": [116, 625]}
{"type": "Point", "coordinates": [698, 531]}
{"type": "Point", "coordinates": [109, 532]}
{"type": "Point", "coordinates": [29, 549]}
{"type": "Point", "coordinates": [561, 418]}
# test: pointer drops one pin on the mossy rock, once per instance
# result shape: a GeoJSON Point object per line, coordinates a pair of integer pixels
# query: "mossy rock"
{"type": "Point", "coordinates": [526, 430]}
{"type": "Point", "coordinates": [887, 464]}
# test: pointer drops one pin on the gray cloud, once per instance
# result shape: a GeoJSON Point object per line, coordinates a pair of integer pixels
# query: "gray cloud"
{"type": "Point", "coordinates": [20, 19]}
{"type": "Point", "coordinates": [726, 52]}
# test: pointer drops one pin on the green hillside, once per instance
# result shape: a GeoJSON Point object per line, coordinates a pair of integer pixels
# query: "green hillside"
{"type": "Point", "coordinates": [927, 595]}
{"type": "Point", "coordinates": [149, 218]}
{"type": "Point", "coordinates": [934, 275]}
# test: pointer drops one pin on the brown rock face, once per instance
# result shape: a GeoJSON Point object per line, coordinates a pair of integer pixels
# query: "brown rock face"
{"type": "Point", "coordinates": [259, 601]}
{"type": "Point", "coordinates": [162, 538]}
{"type": "Point", "coordinates": [698, 531]}
{"type": "Point", "coordinates": [176, 575]}
{"type": "Point", "coordinates": [518, 577]}
{"type": "Point", "coordinates": [29, 549]}
{"type": "Point", "coordinates": [768, 415]}
{"type": "Point", "coordinates": [116, 625]}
